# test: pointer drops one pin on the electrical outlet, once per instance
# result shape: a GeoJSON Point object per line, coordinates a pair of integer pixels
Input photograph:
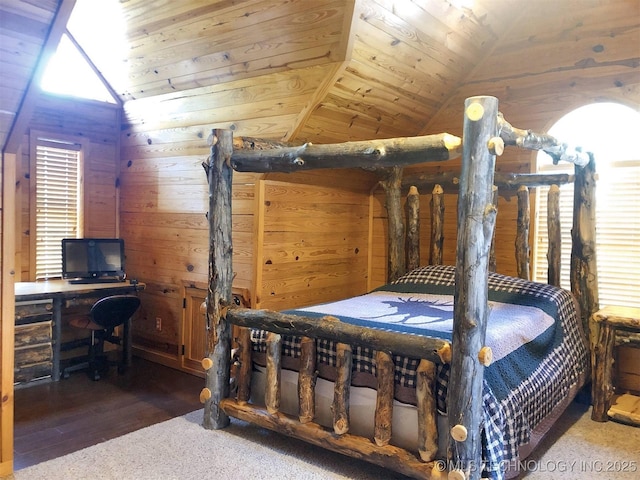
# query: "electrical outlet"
{"type": "Point", "coordinates": [159, 324]}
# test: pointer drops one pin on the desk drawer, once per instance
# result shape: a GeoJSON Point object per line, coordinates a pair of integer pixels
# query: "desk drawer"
{"type": "Point", "coordinates": [32, 312]}
{"type": "Point", "coordinates": [33, 340]}
{"type": "Point", "coordinates": [32, 362]}
{"type": "Point", "coordinates": [32, 355]}
{"type": "Point", "coordinates": [29, 373]}
{"type": "Point", "coordinates": [33, 334]}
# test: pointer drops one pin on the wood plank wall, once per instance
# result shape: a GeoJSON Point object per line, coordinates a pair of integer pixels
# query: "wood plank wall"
{"type": "Point", "coordinates": [96, 124]}
{"type": "Point", "coordinates": [7, 304]}
{"type": "Point", "coordinates": [164, 195]}
{"type": "Point", "coordinates": [164, 205]}
{"type": "Point", "coordinates": [314, 241]}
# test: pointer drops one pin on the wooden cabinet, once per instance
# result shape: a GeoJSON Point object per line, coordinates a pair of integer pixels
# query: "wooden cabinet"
{"type": "Point", "coordinates": [33, 341]}
{"type": "Point", "coordinates": [193, 331]}
{"type": "Point", "coordinates": [193, 326]}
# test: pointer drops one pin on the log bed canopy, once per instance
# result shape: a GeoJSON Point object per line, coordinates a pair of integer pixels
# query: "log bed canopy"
{"type": "Point", "coordinates": [485, 135]}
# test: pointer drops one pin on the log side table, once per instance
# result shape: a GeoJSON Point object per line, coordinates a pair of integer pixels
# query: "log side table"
{"type": "Point", "coordinates": [604, 324]}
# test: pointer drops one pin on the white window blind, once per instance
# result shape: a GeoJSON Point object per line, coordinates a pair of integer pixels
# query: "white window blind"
{"type": "Point", "coordinates": [57, 202]}
{"type": "Point", "coordinates": [618, 234]}
{"type": "Point", "coordinates": [617, 201]}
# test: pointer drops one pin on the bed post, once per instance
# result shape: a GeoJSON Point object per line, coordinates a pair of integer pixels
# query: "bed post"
{"type": "Point", "coordinates": [522, 233]}
{"type": "Point", "coordinates": [554, 234]}
{"type": "Point", "coordinates": [218, 335]}
{"type": "Point", "coordinates": [584, 272]}
{"type": "Point", "coordinates": [493, 263]}
{"type": "Point", "coordinates": [476, 220]}
{"type": "Point", "coordinates": [437, 225]}
{"type": "Point", "coordinates": [412, 208]}
{"type": "Point", "coordinates": [391, 183]}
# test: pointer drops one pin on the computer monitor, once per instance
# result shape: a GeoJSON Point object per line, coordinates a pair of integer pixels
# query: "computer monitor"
{"type": "Point", "coordinates": [87, 258]}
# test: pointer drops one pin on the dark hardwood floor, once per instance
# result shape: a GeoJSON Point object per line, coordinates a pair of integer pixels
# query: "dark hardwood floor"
{"type": "Point", "coordinates": [56, 418]}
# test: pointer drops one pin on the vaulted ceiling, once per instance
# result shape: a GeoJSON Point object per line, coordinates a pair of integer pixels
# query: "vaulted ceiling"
{"type": "Point", "coordinates": [335, 70]}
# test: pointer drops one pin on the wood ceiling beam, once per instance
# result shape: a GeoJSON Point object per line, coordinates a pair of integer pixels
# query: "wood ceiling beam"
{"type": "Point", "coordinates": [30, 96]}
{"type": "Point", "coordinates": [453, 94]}
{"type": "Point", "coordinates": [351, 15]}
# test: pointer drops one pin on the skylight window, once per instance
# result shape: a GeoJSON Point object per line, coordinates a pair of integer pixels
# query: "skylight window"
{"type": "Point", "coordinates": [68, 73]}
{"type": "Point", "coordinates": [98, 27]}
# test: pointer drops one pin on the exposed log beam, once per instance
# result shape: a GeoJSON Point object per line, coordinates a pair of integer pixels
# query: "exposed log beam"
{"type": "Point", "coordinates": [493, 262]}
{"type": "Point", "coordinates": [412, 243]}
{"type": "Point", "coordinates": [219, 298]}
{"type": "Point", "coordinates": [384, 399]}
{"type": "Point", "coordinates": [396, 263]}
{"type": "Point", "coordinates": [554, 235]}
{"type": "Point", "coordinates": [365, 154]}
{"type": "Point", "coordinates": [307, 376]}
{"type": "Point", "coordinates": [540, 141]}
{"type": "Point", "coordinates": [584, 271]}
{"type": "Point", "coordinates": [476, 221]}
{"type": "Point", "coordinates": [504, 182]}
{"type": "Point", "coordinates": [427, 410]}
{"type": "Point", "coordinates": [332, 328]}
{"type": "Point", "coordinates": [522, 234]}
{"type": "Point", "coordinates": [388, 456]}
{"type": "Point", "coordinates": [437, 226]}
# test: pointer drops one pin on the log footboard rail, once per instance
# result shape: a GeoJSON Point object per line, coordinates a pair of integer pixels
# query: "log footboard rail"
{"type": "Point", "coordinates": [485, 133]}
{"type": "Point", "coordinates": [376, 450]}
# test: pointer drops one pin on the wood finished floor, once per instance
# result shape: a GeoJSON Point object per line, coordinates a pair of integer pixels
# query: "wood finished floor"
{"type": "Point", "coordinates": [57, 418]}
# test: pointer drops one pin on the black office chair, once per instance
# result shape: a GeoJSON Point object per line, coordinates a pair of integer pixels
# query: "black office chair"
{"type": "Point", "coordinates": [105, 315]}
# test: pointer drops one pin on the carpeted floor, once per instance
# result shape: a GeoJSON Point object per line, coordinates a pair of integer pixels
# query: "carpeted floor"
{"type": "Point", "coordinates": [180, 448]}
{"type": "Point", "coordinates": [579, 448]}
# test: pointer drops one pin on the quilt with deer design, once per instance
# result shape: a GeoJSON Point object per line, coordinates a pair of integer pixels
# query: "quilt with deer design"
{"type": "Point", "coordinates": [533, 329]}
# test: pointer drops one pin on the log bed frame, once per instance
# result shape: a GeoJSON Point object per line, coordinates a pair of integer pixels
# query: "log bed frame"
{"type": "Point", "coordinates": [485, 134]}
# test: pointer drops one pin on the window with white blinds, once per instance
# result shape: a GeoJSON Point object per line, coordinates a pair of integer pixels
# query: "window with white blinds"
{"type": "Point", "coordinates": [608, 131]}
{"type": "Point", "coordinates": [58, 182]}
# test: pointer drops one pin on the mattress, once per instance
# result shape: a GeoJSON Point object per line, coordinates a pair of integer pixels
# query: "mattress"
{"type": "Point", "coordinates": [533, 329]}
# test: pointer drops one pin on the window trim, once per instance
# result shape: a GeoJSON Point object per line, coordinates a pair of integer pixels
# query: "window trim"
{"type": "Point", "coordinates": [39, 137]}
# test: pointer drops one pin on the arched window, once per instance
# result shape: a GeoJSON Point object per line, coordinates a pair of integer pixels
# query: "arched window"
{"type": "Point", "coordinates": [610, 131]}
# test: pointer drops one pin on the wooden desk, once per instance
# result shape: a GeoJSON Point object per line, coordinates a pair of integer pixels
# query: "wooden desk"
{"type": "Point", "coordinates": [604, 324]}
{"type": "Point", "coordinates": [54, 294]}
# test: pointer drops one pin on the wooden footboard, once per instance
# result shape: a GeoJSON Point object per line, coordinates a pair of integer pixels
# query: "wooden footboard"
{"type": "Point", "coordinates": [418, 463]}
{"type": "Point", "coordinates": [388, 456]}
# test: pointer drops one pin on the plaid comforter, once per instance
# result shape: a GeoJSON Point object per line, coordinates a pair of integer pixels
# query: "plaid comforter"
{"type": "Point", "coordinates": [534, 330]}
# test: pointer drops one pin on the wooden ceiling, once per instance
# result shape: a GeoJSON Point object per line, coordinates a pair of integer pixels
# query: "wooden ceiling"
{"type": "Point", "coordinates": [337, 70]}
